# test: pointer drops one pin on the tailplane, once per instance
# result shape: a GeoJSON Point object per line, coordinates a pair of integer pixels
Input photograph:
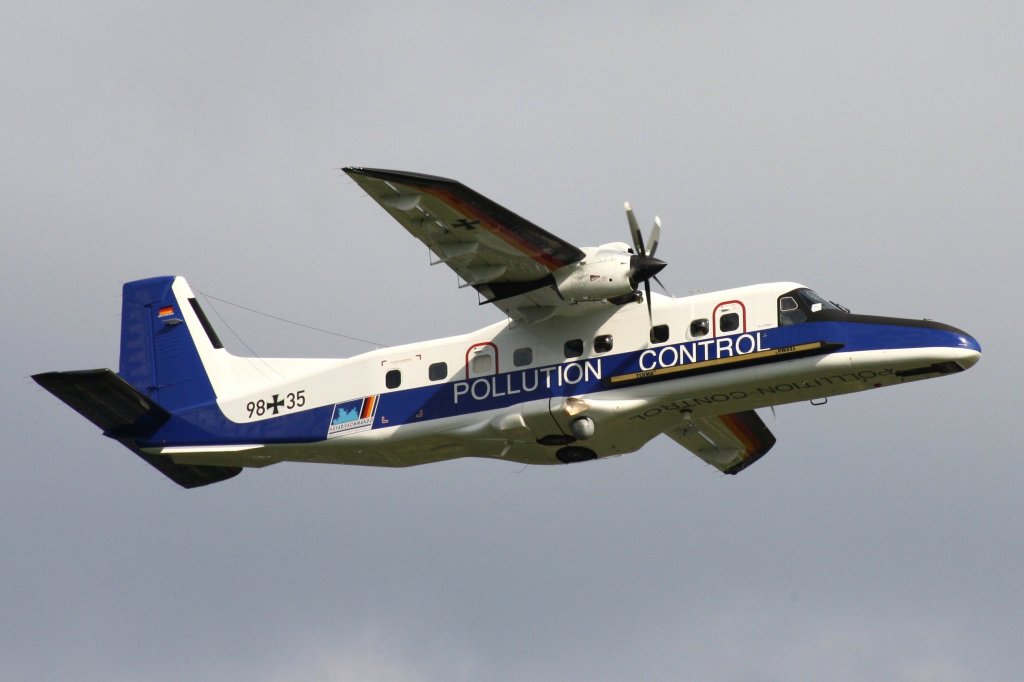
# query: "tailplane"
{"type": "Point", "coordinates": [166, 344]}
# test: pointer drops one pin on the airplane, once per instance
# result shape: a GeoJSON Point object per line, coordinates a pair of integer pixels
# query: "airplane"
{"type": "Point", "coordinates": [588, 363]}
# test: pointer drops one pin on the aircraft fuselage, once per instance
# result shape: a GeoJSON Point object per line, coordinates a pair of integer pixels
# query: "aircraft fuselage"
{"type": "Point", "coordinates": [515, 391]}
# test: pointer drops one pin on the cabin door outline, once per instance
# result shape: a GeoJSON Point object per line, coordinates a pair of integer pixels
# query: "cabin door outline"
{"type": "Point", "coordinates": [725, 308]}
{"type": "Point", "coordinates": [481, 360]}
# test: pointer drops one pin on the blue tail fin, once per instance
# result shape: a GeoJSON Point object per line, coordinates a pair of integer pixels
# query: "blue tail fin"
{"type": "Point", "coordinates": [159, 353]}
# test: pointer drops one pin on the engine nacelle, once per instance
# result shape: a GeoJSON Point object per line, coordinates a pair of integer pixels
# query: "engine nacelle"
{"type": "Point", "coordinates": [605, 273]}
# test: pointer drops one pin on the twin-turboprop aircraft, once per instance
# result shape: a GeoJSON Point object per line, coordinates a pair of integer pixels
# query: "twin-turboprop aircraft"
{"type": "Point", "coordinates": [581, 369]}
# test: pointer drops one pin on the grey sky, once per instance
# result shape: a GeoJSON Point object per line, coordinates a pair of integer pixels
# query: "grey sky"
{"type": "Point", "coordinates": [870, 150]}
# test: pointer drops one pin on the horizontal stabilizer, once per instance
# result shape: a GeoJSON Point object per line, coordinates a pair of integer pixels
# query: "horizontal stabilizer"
{"type": "Point", "coordinates": [107, 400]}
{"type": "Point", "coordinates": [186, 475]}
{"type": "Point", "coordinates": [114, 405]}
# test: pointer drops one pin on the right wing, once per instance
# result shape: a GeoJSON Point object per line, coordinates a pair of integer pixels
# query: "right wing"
{"type": "Point", "coordinates": [728, 442]}
{"type": "Point", "coordinates": [505, 257]}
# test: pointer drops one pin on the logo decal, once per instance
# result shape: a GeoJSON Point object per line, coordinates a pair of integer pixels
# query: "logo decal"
{"type": "Point", "coordinates": [353, 416]}
{"type": "Point", "coordinates": [166, 311]}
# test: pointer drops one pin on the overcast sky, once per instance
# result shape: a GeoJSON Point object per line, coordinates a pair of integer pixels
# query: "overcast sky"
{"type": "Point", "coordinates": [871, 150]}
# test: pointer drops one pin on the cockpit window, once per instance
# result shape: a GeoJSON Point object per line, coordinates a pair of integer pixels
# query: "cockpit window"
{"type": "Point", "coordinates": [797, 305]}
{"type": "Point", "coordinates": [816, 301]}
{"type": "Point", "coordinates": [788, 316]}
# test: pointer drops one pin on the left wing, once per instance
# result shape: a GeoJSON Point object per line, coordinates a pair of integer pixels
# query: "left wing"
{"type": "Point", "coordinates": [505, 257]}
{"type": "Point", "coordinates": [728, 442]}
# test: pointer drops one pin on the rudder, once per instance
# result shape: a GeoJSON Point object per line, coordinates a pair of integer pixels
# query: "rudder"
{"type": "Point", "coordinates": [164, 334]}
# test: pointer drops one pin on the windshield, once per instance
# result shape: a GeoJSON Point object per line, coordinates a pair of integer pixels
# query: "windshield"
{"type": "Point", "coordinates": [797, 305]}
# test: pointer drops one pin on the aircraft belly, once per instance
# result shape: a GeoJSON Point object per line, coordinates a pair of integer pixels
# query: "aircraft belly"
{"type": "Point", "coordinates": [792, 381]}
{"type": "Point", "coordinates": [505, 434]}
{"type": "Point", "coordinates": [499, 434]}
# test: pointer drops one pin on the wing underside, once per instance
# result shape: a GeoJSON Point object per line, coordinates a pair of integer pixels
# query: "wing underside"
{"type": "Point", "coordinates": [505, 257]}
{"type": "Point", "coordinates": [728, 442]}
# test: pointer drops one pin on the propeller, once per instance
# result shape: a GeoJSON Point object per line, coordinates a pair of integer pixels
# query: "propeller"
{"type": "Point", "coordinates": [643, 266]}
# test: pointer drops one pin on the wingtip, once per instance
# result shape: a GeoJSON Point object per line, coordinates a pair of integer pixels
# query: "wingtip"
{"type": "Point", "coordinates": [398, 176]}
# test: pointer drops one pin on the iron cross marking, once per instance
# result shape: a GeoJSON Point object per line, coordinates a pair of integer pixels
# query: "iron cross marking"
{"type": "Point", "coordinates": [466, 224]}
{"type": "Point", "coordinates": [275, 403]}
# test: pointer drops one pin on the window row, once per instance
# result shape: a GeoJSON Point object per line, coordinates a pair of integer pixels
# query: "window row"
{"type": "Point", "coordinates": [437, 371]}
{"type": "Point", "coordinates": [573, 348]}
{"type": "Point", "coordinates": [729, 322]}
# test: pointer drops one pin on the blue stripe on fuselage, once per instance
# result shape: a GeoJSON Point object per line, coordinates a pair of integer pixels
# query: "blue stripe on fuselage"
{"type": "Point", "coordinates": [580, 376]}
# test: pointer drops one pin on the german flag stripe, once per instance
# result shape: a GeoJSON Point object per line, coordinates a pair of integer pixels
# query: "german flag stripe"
{"type": "Point", "coordinates": [368, 405]}
{"type": "Point", "coordinates": [743, 432]}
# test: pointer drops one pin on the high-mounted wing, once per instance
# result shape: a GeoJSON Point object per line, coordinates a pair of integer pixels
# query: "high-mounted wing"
{"type": "Point", "coordinates": [505, 257]}
{"type": "Point", "coordinates": [728, 442]}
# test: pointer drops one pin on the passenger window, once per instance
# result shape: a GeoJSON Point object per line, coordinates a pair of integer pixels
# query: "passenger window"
{"type": "Point", "coordinates": [393, 379]}
{"type": "Point", "coordinates": [659, 333]}
{"type": "Point", "coordinates": [573, 348]}
{"type": "Point", "coordinates": [438, 371]}
{"type": "Point", "coordinates": [729, 322]}
{"type": "Point", "coordinates": [699, 327]}
{"type": "Point", "coordinates": [522, 356]}
{"type": "Point", "coordinates": [603, 343]}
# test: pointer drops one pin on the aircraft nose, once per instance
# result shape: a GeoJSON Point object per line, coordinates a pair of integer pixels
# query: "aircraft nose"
{"type": "Point", "coordinates": [947, 344]}
{"type": "Point", "coordinates": [970, 350]}
{"type": "Point", "coordinates": [956, 344]}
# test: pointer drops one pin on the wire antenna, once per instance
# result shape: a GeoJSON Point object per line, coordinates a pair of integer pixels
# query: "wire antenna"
{"type": "Point", "coordinates": [292, 322]}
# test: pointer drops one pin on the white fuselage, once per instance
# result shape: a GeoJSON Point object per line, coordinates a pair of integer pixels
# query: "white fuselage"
{"type": "Point", "coordinates": [513, 390]}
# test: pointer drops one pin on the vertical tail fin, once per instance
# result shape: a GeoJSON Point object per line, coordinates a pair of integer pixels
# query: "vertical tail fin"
{"type": "Point", "coordinates": [165, 340]}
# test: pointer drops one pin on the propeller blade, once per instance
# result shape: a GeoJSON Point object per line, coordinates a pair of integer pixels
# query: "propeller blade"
{"type": "Point", "coordinates": [634, 229]}
{"type": "Point", "coordinates": [663, 287]}
{"type": "Point", "coordinates": [655, 236]}
{"type": "Point", "coordinates": [647, 295]}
